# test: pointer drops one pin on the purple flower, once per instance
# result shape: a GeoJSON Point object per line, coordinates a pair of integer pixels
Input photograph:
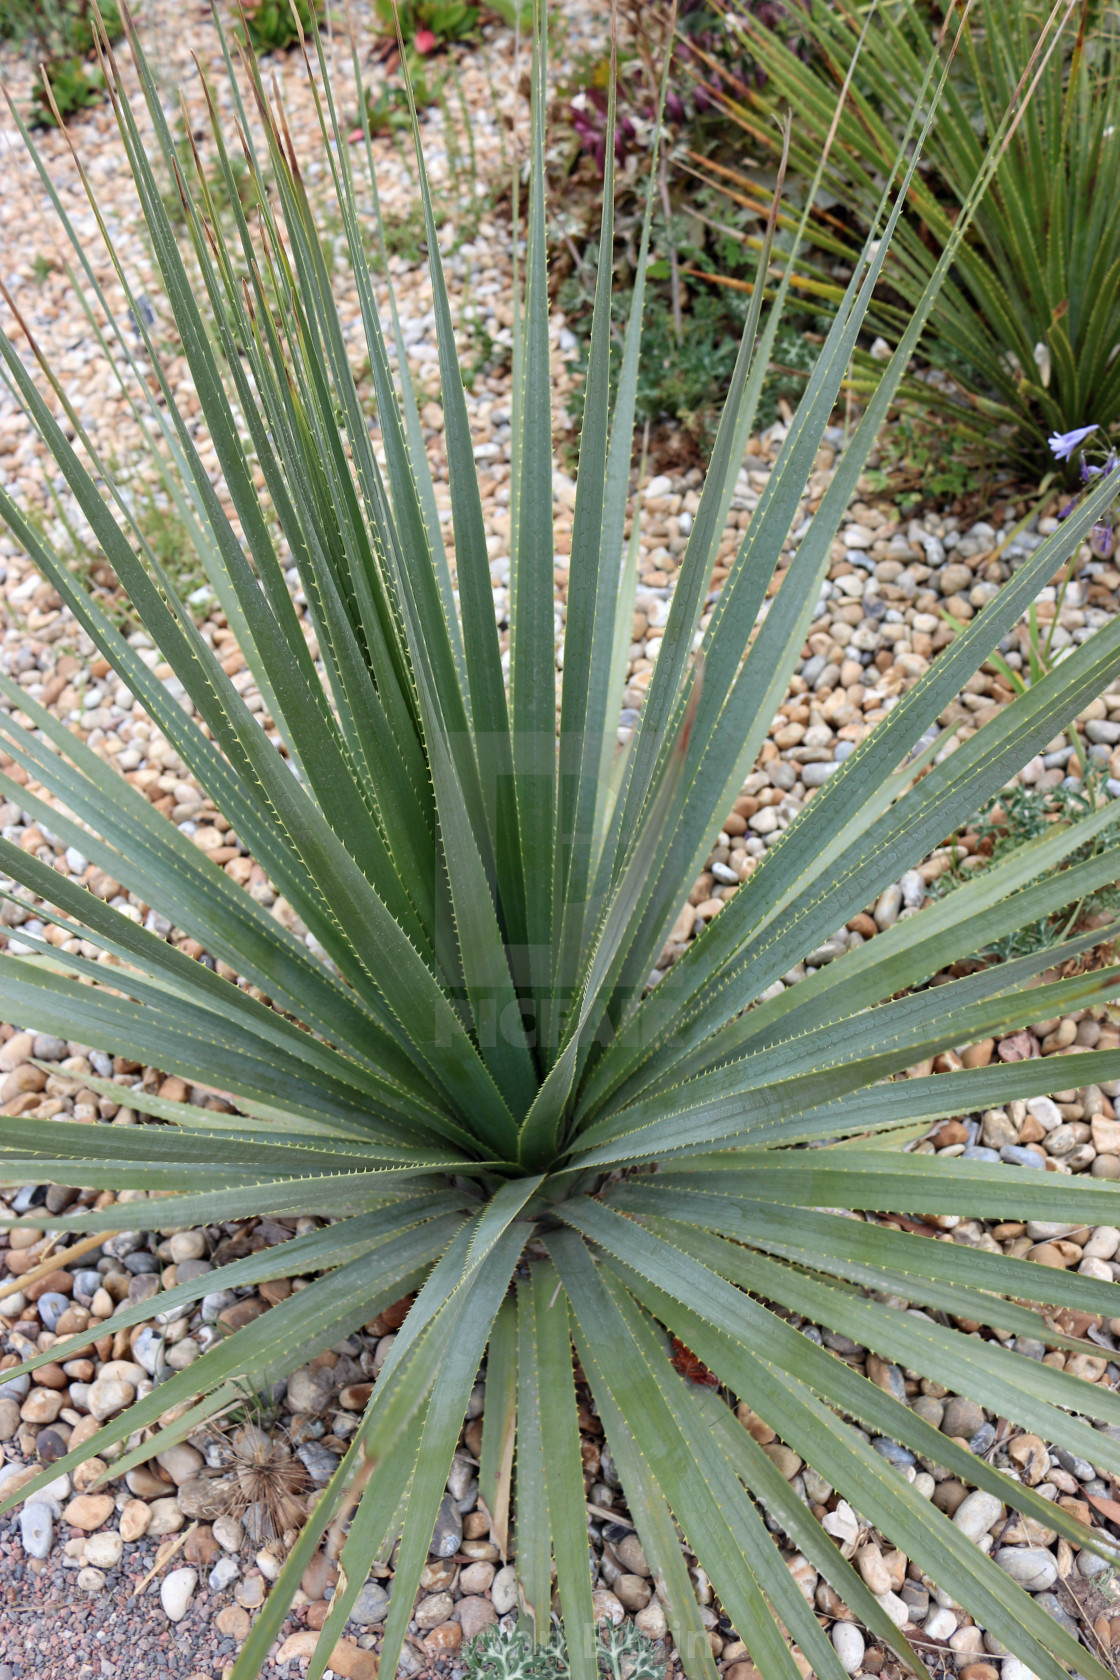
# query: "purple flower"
{"type": "Point", "coordinates": [1063, 444]}
{"type": "Point", "coordinates": [1100, 540]}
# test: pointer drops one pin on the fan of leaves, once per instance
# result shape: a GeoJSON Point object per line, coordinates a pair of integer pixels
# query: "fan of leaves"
{"type": "Point", "coordinates": [461, 1067]}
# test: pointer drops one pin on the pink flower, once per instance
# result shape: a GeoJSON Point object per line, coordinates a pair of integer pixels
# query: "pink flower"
{"type": "Point", "coordinates": [424, 42]}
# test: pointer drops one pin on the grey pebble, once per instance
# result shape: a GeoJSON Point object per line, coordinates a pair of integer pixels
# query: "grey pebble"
{"type": "Point", "coordinates": [448, 1529]}
{"type": "Point", "coordinates": [36, 1529]}
{"type": "Point", "coordinates": [1018, 1156]}
{"type": "Point", "coordinates": [52, 1304]}
{"type": "Point", "coordinates": [371, 1604]}
{"type": "Point", "coordinates": [892, 1451]}
{"type": "Point", "coordinates": [1053, 1605]}
{"type": "Point", "coordinates": [319, 1462]}
{"type": "Point", "coordinates": [225, 1571]}
{"type": "Point", "coordinates": [1032, 1567]}
{"type": "Point", "coordinates": [214, 1303]}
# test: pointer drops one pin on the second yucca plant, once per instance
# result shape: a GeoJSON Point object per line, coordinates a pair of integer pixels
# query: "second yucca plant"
{"type": "Point", "coordinates": [462, 1068]}
{"type": "Point", "coordinates": [1028, 321]}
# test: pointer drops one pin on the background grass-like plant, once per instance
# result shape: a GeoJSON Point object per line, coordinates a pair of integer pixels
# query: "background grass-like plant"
{"type": "Point", "coordinates": [1028, 321]}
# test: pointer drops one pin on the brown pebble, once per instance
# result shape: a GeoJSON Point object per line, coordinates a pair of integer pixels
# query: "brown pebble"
{"type": "Point", "coordinates": [1078, 1508]}
{"type": "Point", "coordinates": [949, 1132]}
{"type": "Point", "coordinates": [51, 1376]}
{"type": "Point", "coordinates": [355, 1396]}
{"type": "Point", "coordinates": [1032, 1456]}
{"type": "Point", "coordinates": [136, 1515]}
{"type": "Point", "coordinates": [21, 1079]}
{"type": "Point", "coordinates": [233, 1622]}
{"type": "Point", "coordinates": [754, 1425]}
{"type": "Point", "coordinates": [57, 1283]}
{"type": "Point", "coordinates": [1087, 1366]}
{"type": "Point", "coordinates": [448, 1636]}
{"type": "Point", "coordinates": [320, 1574]}
{"type": "Point", "coordinates": [42, 1405]}
{"type": "Point", "coordinates": [473, 1614]}
{"type": "Point", "coordinates": [948, 1495]}
{"type": "Point", "coordinates": [393, 1317]}
{"type": "Point", "coordinates": [74, 1320]}
{"type": "Point", "coordinates": [352, 1663]}
{"type": "Point", "coordinates": [201, 1547]}
{"type": "Point", "coordinates": [241, 1313]}
{"type": "Point", "coordinates": [89, 1511]}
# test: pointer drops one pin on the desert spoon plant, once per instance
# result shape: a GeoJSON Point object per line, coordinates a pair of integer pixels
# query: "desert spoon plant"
{"type": "Point", "coordinates": [461, 1068]}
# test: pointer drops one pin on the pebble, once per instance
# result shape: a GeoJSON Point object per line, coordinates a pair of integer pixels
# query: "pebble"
{"type": "Point", "coordinates": [448, 1531]}
{"type": "Point", "coordinates": [176, 1591]}
{"type": "Point", "coordinates": [503, 1592]}
{"type": "Point", "coordinates": [109, 1395]}
{"type": "Point", "coordinates": [308, 1389]}
{"type": "Point", "coordinates": [42, 1405]}
{"type": "Point", "coordinates": [433, 1609]}
{"type": "Point", "coordinates": [104, 1550]}
{"type": "Point", "coordinates": [36, 1529]}
{"type": "Point", "coordinates": [941, 1623]}
{"type": "Point", "coordinates": [135, 1518]}
{"type": "Point", "coordinates": [228, 1532]}
{"type": "Point", "coordinates": [962, 1417]}
{"type": "Point", "coordinates": [233, 1621]}
{"type": "Point", "coordinates": [89, 1510]}
{"type": "Point", "coordinates": [182, 1462]}
{"type": "Point", "coordinates": [9, 1418]}
{"type": "Point", "coordinates": [976, 1513]}
{"type": "Point", "coordinates": [849, 1644]}
{"type": "Point", "coordinates": [1031, 1566]}
{"type": "Point", "coordinates": [371, 1605]}
{"type": "Point", "coordinates": [1053, 1605]}
{"type": "Point", "coordinates": [605, 1607]}
{"type": "Point", "coordinates": [319, 1462]}
{"type": "Point", "coordinates": [224, 1573]}
{"type": "Point", "coordinates": [473, 1614]}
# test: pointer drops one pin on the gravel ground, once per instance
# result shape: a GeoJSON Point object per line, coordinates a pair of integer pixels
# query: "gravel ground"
{"type": "Point", "coordinates": [70, 1560]}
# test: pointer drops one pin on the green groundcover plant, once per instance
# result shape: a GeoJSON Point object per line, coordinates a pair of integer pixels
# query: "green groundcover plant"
{"type": "Point", "coordinates": [59, 33]}
{"type": "Point", "coordinates": [463, 1069]}
{"type": "Point", "coordinates": [1028, 321]}
{"type": "Point", "coordinates": [274, 25]}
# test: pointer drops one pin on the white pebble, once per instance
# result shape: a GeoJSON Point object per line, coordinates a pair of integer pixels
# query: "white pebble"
{"type": "Point", "coordinates": [850, 1646]}
{"type": "Point", "coordinates": [940, 1623]}
{"type": "Point", "coordinates": [104, 1550]}
{"type": "Point", "coordinates": [176, 1592]}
